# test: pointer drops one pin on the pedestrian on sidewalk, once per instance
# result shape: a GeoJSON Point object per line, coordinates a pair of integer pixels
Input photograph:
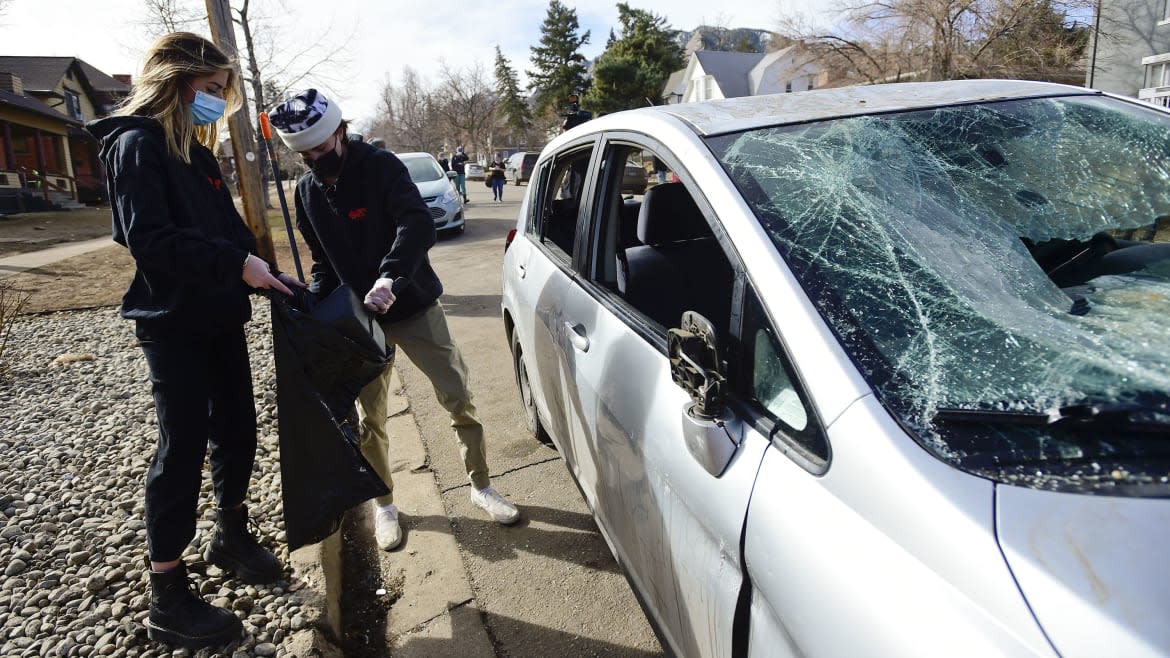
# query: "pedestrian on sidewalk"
{"type": "Point", "coordinates": [458, 165]}
{"type": "Point", "coordinates": [195, 266]}
{"type": "Point", "coordinates": [367, 227]}
{"type": "Point", "coordinates": [496, 172]}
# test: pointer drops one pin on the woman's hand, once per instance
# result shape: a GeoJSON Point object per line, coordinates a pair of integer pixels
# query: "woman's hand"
{"type": "Point", "coordinates": [256, 274]}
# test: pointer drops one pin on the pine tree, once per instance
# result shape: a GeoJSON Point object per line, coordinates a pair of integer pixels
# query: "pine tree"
{"type": "Point", "coordinates": [634, 67]}
{"type": "Point", "coordinates": [559, 66]}
{"type": "Point", "coordinates": [512, 103]}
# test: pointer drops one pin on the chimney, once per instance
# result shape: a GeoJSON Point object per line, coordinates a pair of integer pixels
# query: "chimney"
{"type": "Point", "coordinates": [124, 78]}
{"type": "Point", "coordinates": [11, 83]}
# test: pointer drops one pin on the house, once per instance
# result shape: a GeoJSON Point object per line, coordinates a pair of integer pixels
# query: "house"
{"type": "Point", "coordinates": [1129, 50]}
{"type": "Point", "coordinates": [46, 156]}
{"type": "Point", "coordinates": [711, 74]}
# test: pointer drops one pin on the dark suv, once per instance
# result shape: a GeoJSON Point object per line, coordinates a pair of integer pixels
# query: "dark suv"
{"type": "Point", "coordinates": [518, 167]}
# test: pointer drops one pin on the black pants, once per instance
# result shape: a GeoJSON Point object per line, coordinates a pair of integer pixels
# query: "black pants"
{"type": "Point", "coordinates": [202, 388]}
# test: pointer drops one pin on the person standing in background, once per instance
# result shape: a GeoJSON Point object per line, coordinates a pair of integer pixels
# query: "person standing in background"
{"type": "Point", "coordinates": [497, 177]}
{"type": "Point", "coordinates": [458, 162]}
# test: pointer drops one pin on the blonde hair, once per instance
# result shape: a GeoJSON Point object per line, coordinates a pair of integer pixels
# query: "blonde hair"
{"type": "Point", "coordinates": [171, 63]}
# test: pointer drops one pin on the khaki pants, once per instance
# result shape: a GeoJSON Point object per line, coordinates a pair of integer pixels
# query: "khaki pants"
{"type": "Point", "coordinates": [427, 342]}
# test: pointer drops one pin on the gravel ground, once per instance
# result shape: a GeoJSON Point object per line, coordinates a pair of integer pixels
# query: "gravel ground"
{"type": "Point", "coordinates": [77, 432]}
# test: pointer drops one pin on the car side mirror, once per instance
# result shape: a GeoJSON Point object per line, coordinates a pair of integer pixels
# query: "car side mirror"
{"type": "Point", "coordinates": [451, 175]}
{"type": "Point", "coordinates": [710, 431]}
{"type": "Point", "coordinates": [695, 364]}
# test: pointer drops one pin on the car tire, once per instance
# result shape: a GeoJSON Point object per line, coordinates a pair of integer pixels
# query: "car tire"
{"type": "Point", "coordinates": [527, 400]}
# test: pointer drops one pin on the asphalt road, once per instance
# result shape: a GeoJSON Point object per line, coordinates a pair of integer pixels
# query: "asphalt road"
{"type": "Point", "coordinates": [547, 586]}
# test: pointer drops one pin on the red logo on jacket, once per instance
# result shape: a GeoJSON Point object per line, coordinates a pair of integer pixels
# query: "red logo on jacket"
{"type": "Point", "coordinates": [215, 182]}
{"type": "Point", "coordinates": [357, 213]}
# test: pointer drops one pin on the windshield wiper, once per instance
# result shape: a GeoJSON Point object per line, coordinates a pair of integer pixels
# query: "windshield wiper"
{"type": "Point", "coordinates": [1131, 416]}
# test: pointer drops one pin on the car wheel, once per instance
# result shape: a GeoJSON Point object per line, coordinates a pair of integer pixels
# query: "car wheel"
{"type": "Point", "coordinates": [527, 400]}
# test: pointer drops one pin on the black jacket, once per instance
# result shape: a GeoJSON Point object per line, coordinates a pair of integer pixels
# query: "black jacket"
{"type": "Point", "coordinates": [180, 225]}
{"type": "Point", "coordinates": [370, 224]}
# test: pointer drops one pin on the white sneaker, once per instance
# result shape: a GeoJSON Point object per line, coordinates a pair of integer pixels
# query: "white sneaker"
{"type": "Point", "coordinates": [386, 529]}
{"type": "Point", "coordinates": [494, 504]}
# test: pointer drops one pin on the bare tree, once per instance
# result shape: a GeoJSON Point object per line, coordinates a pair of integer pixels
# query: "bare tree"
{"type": "Point", "coordinates": [890, 40]}
{"type": "Point", "coordinates": [408, 117]}
{"type": "Point", "coordinates": [468, 106]}
{"type": "Point", "coordinates": [166, 16]}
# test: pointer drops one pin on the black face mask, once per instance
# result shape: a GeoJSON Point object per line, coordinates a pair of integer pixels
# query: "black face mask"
{"type": "Point", "coordinates": [327, 165]}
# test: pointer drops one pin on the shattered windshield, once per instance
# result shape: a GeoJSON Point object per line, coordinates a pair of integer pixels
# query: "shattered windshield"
{"type": "Point", "coordinates": [1000, 272]}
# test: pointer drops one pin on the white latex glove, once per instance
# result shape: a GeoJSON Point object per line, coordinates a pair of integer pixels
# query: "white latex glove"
{"type": "Point", "coordinates": [380, 297]}
{"type": "Point", "coordinates": [256, 274]}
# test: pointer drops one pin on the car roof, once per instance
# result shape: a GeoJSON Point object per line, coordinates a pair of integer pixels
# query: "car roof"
{"type": "Point", "coordinates": [414, 154]}
{"type": "Point", "coordinates": [735, 114]}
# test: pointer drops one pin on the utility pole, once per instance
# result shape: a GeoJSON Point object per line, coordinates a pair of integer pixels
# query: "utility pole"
{"type": "Point", "coordinates": [243, 139]}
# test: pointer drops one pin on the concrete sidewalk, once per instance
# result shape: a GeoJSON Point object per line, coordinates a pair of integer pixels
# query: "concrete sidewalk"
{"type": "Point", "coordinates": [420, 594]}
{"type": "Point", "coordinates": [18, 263]}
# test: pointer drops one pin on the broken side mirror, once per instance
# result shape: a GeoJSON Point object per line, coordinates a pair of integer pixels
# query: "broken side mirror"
{"type": "Point", "coordinates": [710, 431]}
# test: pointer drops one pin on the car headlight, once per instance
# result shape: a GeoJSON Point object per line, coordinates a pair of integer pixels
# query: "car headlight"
{"type": "Point", "coordinates": [450, 195]}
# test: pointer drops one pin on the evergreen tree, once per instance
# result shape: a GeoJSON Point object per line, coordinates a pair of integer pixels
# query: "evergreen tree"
{"type": "Point", "coordinates": [512, 103]}
{"type": "Point", "coordinates": [559, 66]}
{"type": "Point", "coordinates": [635, 66]}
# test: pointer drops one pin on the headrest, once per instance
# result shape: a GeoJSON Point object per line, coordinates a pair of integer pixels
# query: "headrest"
{"type": "Point", "coordinates": [669, 214]}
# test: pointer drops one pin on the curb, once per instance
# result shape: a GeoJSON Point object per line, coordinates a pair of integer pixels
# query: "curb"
{"type": "Point", "coordinates": [428, 606]}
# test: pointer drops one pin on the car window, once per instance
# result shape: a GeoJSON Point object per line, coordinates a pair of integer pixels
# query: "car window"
{"type": "Point", "coordinates": [654, 247]}
{"type": "Point", "coordinates": [764, 377]}
{"type": "Point", "coordinates": [560, 202]}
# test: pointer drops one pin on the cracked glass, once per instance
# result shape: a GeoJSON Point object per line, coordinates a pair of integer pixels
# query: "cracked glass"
{"type": "Point", "coordinates": [999, 272]}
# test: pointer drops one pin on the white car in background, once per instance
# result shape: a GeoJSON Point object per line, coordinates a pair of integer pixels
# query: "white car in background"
{"type": "Point", "coordinates": [473, 170]}
{"type": "Point", "coordinates": [885, 373]}
{"type": "Point", "coordinates": [437, 190]}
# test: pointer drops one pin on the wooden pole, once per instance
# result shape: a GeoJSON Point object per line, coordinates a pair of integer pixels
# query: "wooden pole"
{"type": "Point", "coordinates": [243, 139]}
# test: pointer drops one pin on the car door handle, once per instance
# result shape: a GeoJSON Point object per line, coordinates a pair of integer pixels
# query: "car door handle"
{"type": "Point", "coordinates": [523, 267]}
{"type": "Point", "coordinates": [577, 336]}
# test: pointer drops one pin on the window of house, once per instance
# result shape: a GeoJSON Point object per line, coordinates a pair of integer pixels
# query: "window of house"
{"type": "Point", "coordinates": [788, 87]}
{"type": "Point", "coordinates": [73, 105]}
{"type": "Point", "coordinates": [1156, 74]}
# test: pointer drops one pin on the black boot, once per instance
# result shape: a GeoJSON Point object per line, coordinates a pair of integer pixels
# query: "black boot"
{"type": "Point", "coordinates": [179, 617]}
{"type": "Point", "coordinates": [233, 548]}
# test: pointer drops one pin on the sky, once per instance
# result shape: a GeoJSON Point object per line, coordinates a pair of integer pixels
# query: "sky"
{"type": "Point", "coordinates": [381, 37]}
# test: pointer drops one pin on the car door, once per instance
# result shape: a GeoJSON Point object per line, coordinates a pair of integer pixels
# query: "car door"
{"type": "Point", "coordinates": [672, 519]}
{"type": "Point", "coordinates": [541, 272]}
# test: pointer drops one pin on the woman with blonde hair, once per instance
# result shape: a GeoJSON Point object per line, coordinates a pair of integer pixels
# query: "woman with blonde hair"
{"type": "Point", "coordinates": [195, 266]}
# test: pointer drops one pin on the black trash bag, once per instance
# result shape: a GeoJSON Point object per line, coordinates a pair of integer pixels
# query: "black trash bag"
{"type": "Point", "coordinates": [325, 353]}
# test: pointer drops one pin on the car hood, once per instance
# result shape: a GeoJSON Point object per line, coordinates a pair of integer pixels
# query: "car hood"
{"type": "Point", "coordinates": [1092, 568]}
{"type": "Point", "coordinates": [434, 187]}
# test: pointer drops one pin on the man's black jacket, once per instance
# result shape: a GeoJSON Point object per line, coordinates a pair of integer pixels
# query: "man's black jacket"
{"type": "Point", "coordinates": [370, 224]}
{"type": "Point", "coordinates": [180, 225]}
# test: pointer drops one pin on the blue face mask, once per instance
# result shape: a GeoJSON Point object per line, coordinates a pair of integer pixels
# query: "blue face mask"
{"type": "Point", "coordinates": [206, 108]}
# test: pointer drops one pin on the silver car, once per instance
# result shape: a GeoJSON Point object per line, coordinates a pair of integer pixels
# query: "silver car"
{"type": "Point", "coordinates": [437, 190]}
{"type": "Point", "coordinates": [885, 373]}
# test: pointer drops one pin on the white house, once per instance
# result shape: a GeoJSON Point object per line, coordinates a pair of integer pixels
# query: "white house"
{"type": "Point", "coordinates": [711, 74]}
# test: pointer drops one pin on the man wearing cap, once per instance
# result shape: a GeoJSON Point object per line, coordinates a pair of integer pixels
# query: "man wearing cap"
{"type": "Point", "coordinates": [574, 115]}
{"type": "Point", "coordinates": [458, 165]}
{"type": "Point", "coordinates": [366, 226]}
